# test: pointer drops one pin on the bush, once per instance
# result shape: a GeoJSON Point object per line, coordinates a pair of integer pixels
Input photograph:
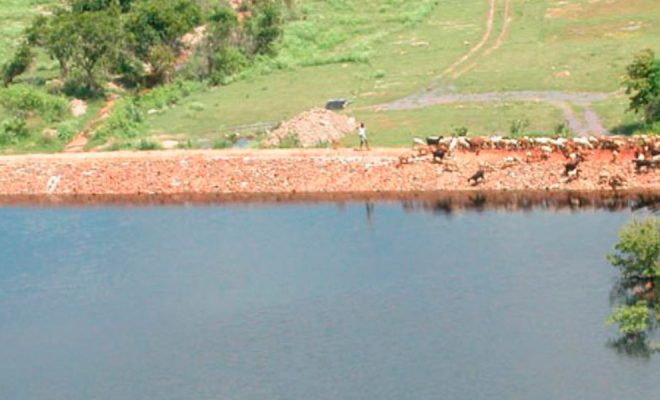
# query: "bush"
{"type": "Point", "coordinates": [13, 129]}
{"type": "Point", "coordinates": [518, 127]}
{"type": "Point", "coordinates": [289, 142]}
{"type": "Point", "coordinates": [168, 95]}
{"type": "Point", "coordinates": [633, 320]}
{"type": "Point", "coordinates": [461, 131]}
{"type": "Point", "coordinates": [66, 131]}
{"type": "Point", "coordinates": [221, 143]}
{"type": "Point", "coordinates": [146, 144]}
{"type": "Point", "coordinates": [562, 130]}
{"type": "Point", "coordinates": [18, 64]}
{"type": "Point", "coordinates": [126, 121]}
{"type": "Point", "coordinates": [24, 99]}
{"type": "Point", "coordinates": [226, 62]}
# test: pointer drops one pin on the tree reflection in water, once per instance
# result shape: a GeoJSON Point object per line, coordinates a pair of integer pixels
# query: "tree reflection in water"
{"type": "Point", "coordinates": [635, 296]}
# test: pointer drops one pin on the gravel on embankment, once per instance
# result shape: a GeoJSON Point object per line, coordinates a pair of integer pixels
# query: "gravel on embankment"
{"type": "Point", "coordinates": [311, 171]}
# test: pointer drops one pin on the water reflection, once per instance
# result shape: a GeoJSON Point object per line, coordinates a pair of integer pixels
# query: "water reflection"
{"type": "Point", "coordinates": [436, 203]}
{"type": "Point", "coordinates": [628, 291]}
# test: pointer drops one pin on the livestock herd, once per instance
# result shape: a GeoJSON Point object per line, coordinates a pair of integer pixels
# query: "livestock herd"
{"type": "Point", "coordinates": [646, 150]}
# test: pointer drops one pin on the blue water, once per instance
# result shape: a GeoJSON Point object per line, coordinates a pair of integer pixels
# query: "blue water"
{"type": "Point", "coordinates": [310, 302]}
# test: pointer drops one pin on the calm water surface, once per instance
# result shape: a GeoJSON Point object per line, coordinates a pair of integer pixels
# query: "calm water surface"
{"type": "Point", "coordinates": [310, 302]}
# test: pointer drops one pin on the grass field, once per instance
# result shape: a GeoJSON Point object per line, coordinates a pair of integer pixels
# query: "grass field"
{"type": "Point", "coordinates": [570, 46]}
{"type": "Point", "coordinates": [378, 51]}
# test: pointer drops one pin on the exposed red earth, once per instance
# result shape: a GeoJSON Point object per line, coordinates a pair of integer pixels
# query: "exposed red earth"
{"type": "Point", "coordinates": [310, 171]}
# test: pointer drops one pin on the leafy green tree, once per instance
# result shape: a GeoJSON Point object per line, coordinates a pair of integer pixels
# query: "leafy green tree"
{"type": "Point", "coordinates": [98, 41]}
{"type": "Point", "coordinates": [58, 36]}
{"type": "Point", "coordinates": [265, 26]}
{"type": "Point", "coordinates": [638, 251]}
{"type": "Point", "coordinates": [642, 82]}
{"type": "Point", "coordinates": [161, 60]}
{"type": "Point", "coordinates": [18, 64]}
{"type": "Point", "coordinates": [154, 22]}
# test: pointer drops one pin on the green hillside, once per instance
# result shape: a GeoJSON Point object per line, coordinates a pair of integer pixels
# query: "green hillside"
{"type": "Point", "coordinates": [408, 69]}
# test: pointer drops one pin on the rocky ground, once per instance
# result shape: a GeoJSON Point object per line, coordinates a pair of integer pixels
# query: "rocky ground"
{"type": "Point", "coordinates": [308, 171]}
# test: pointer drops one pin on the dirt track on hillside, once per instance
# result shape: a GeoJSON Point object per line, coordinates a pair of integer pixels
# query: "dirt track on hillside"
{"type": "Point", "coordinates": [313, 171]}
{"type": "Point", "coordinates": [440, 91]}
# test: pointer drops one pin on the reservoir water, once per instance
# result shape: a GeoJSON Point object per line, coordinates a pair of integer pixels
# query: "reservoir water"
{"type": "Point", "coordinates": [311, 301]}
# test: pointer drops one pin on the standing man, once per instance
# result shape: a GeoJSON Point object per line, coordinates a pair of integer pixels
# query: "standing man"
{"type": "Point", "coordinates": [362, 133]}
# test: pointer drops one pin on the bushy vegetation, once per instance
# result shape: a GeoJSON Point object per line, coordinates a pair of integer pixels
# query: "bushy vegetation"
{"type": "Point", "coordinates": [29, 101]}
{"type": "Point", "coordinates": [642, 83]}
{"type": "Point", "coordinates": [637, 257]}
{"type": "Point", "coordinates": [138, 41]}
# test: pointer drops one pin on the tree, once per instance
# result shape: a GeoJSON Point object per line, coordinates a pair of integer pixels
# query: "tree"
{"type": "Point", "coordinates": [638, 251]}
{"type": "Point", "coordinates": [59, 37]}
{"type": "Point", "coordinates": [19, 63]}
{"type": "Point", "coordinates": [154, 22]}
{"type": "Point", "coordinates": [642, 82]}
{"type": "Point", "coordinates": [98, 40]}
{"type": "Point", "coordinates": [265, 26]}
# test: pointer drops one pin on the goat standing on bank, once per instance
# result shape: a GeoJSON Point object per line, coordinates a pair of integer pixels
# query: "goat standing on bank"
{"type": "Point", "coordinates": [477, 178]}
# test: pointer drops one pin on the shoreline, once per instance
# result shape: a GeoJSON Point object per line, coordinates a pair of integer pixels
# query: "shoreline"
{"type": "Point", "coordinates": [313, 173]}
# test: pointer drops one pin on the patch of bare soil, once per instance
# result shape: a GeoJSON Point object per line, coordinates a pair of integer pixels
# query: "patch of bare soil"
{"type": "Point", "coordinates": [313, 127]}
{"type": "Point", "coordinates": [78, 107]}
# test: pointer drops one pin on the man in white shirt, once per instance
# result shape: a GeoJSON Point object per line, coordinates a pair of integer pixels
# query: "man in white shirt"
{"type": "Point", "coordinates": [362, 133]}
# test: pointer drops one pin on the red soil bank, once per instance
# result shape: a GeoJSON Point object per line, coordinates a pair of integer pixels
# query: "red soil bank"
{"type": "Point", "coordinates": [301, 171]}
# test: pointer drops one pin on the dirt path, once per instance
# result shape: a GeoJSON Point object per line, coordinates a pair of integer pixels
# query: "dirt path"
{"type": "Point", "coordinates": [508, 19]}
{"type": "Point", "coordinates": [79, 142]}
{"type": "Point", "coordinates": [441, 91]}
{"type": "Point", "coordinates": [562, 100]}
{"type": "Point", "coordinates": [490, 21]}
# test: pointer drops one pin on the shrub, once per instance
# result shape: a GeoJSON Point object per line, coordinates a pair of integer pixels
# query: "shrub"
{"type": "Point", "coordinates": [66, 131]}
{"type": "Point", "coordinates": [146, 144]}
{"type": "Point", "coordinates": [633, 320]}
{"type": "Point", "coordinates": [461, 131]}
{"type": "Point", "coordinates": [518, 127]}
{"type": "Point", "coordinates": [562, 129]}
{"type": "Point", "coordinates": [18, 64]}
{"type": "Point", "coordinates": [289, 142]}
{"type": "Point", "coordinates": [13, 129]}
{"type": "Point", "coordinates": [126, 121]}
{"type": "Point", "coordinates": [168, 95]}
{"type": "Point", "coordinates": [24, 99]}
{"type": "Point", "coordinates": [221, 143]}
{"type": "Point", "coordinates": [226, 62]}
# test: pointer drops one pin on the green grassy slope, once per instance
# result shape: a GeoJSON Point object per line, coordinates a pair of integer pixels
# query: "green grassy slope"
{"type": "Point", "coordinates": [565, 46]}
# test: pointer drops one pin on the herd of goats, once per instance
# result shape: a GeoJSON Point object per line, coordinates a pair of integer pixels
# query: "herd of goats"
{"type": "Point", "coordinates": [646, 150]}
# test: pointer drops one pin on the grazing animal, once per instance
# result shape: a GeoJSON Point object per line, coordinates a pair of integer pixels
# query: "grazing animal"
{"type": "Point", "coordinates": [433, 140]}
{"type": "Point", "coordinates": [439, 155]}
{"type": "Point", "coordinates": [477, 178]}
{"type": "Point", "coordinates": [571, 168]}
{"type": "Point", "coordinates": [420, 142]}
{"type": "Point", "coordinates": [643, 165]}
{"type": "Point", "coordinates": [615, 156]}
{"type": "Point", "coordinates": [476, 144]}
